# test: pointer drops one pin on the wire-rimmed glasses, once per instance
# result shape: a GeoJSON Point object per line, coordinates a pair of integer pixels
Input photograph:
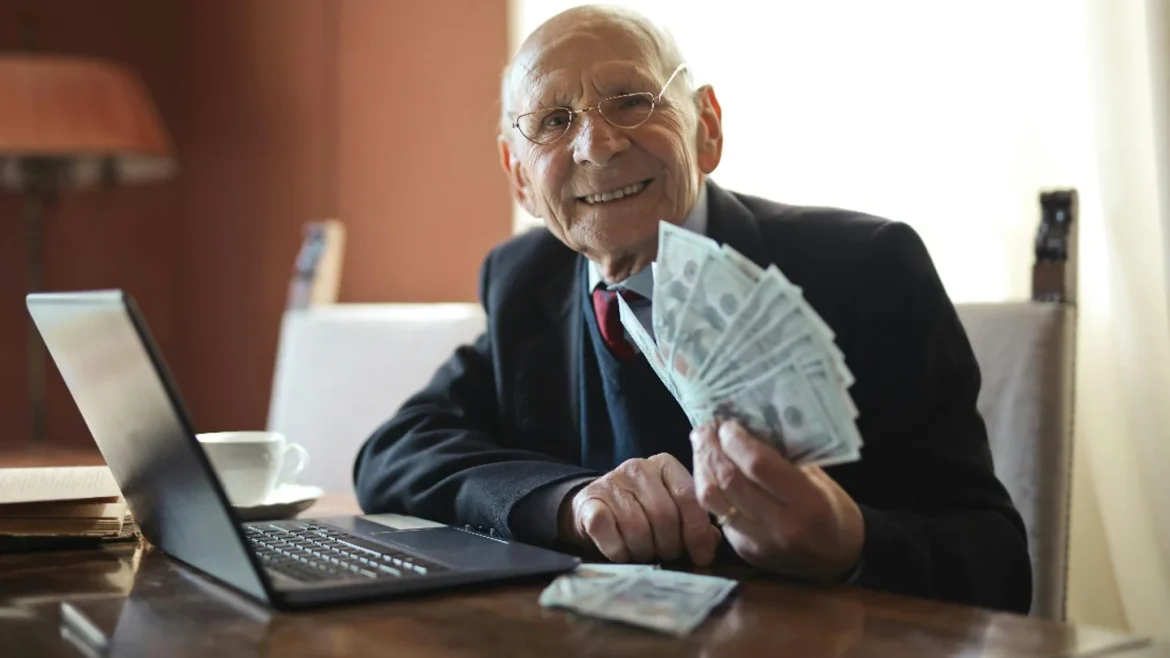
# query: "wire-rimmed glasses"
{"type": "Point", "coordinates": [626, 111]}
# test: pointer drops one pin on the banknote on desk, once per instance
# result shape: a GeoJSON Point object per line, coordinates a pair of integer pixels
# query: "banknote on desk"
{"type": "Point", "coordinates": [670, 602]}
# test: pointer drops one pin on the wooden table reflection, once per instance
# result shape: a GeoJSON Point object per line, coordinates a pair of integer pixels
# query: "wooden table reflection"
{"type": "Point", "coordinates": [151, 605]}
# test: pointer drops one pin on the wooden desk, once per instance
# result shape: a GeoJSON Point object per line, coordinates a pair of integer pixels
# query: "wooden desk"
{"type": "Point", "coordinates": [153, 606]}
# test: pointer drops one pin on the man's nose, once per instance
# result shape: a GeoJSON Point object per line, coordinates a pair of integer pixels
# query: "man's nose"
{"type": "Point", "coordinates": [596, 141]}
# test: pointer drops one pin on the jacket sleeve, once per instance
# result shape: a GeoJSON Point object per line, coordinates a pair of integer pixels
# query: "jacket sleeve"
{"type": "Point", "coordinates": [938, 521]}
{"type": "Point", "coordinates": [444, 455]}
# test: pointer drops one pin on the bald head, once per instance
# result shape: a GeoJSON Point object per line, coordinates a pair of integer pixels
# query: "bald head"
{"type": "Point", "coordinates": [625, 29]}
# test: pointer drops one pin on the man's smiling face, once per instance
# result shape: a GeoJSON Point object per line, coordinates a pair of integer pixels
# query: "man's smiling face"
{"type": "Point", "coordinates": [601, 189]}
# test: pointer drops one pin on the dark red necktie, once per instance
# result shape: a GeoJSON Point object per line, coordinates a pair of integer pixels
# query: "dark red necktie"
{"type": "Point", "coordinates": [605, 304]}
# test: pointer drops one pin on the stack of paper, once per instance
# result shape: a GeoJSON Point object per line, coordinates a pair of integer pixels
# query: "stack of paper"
{"type": "Point", "coordinates": [71, 501]}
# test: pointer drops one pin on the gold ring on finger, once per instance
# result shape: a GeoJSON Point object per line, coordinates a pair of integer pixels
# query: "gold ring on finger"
{"type": "Point", "coordinates": [727, 517]}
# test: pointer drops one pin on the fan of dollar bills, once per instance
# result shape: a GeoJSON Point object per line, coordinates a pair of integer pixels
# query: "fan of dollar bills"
{"type": "Point", "coordinates": [732, 340]}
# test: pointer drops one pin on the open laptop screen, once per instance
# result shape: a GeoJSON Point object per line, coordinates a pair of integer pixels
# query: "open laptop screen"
{"type": "Point", "coordinates": [104, 351]}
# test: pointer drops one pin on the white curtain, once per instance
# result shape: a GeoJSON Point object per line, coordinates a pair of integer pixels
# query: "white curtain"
{"type": "Point", "coordinates": [952, 117]}
{"type": "Point", "coordinates": [1121, 517]}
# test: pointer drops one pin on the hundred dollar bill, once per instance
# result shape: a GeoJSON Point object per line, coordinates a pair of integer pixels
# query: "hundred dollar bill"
{"type": "Point", "coordinates": [670, 602]}
{"type": "Point", "coordinates": [680, 256]}
{"type": "Point", "coordinates": [716, 299]}
{"type": "Point", "coordinates": [764, 351]}
{"type": "Point", "coordinates": [794, 351]}
{"type": "Point", "coordinates": [777, 277]}
{"type": "Point", "coordinates": [744, 264]}
{"type": "Point", "coordinates": [834, 398]}
{"type": "Point", "coordinates": [781, 408]}
{"type": "Point", "coordinates": [766, 300]}
{"type": "Point", "coordinates": [753, 349]}
{"type": "Point", "coordinates": [587, 580]}
{"type": "Point", "coordinates": [734, 352]}
{"type": "Point", "coordinates": [835, 406]}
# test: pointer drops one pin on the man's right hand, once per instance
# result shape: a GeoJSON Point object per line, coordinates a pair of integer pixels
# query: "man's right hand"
{"type": "Point", "coordinates": [642, 510]}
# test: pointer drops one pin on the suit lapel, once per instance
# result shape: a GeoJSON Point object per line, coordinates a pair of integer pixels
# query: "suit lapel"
{"type": "Point", "coordinates": [560, 298]}
{"type": "Point", "coordinates": [730, 222]}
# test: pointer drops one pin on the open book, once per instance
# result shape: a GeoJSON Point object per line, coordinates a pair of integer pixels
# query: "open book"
{"type": "Point", "coordinates": [62, 502]}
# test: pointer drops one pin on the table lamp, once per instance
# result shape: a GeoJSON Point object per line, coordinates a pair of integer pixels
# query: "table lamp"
{"type": "Point", "coordinates": [68, 123]}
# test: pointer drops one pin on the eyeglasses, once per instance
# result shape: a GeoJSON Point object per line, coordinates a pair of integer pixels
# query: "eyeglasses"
{"type": "Point", "coordinates": [626, 111]}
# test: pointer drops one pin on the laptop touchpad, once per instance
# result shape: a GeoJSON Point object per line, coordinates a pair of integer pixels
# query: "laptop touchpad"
{"type": "Point", "coordinates": [452, 546]}
{"type": "Point", "coordinates": [400, 522]}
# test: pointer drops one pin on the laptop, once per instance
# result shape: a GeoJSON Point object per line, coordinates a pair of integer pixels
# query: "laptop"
{"type": "Point", "coordinates": [115, 372]}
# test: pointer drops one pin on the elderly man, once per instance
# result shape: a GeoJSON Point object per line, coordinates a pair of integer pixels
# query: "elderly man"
{"type": "Point", "coordinates": [549, 429]}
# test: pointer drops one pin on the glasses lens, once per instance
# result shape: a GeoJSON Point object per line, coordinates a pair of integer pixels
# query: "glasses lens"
{"type": "Point", "coordinates": [544, 126]}
{"type": "Point", "coordinates": [628, 111]}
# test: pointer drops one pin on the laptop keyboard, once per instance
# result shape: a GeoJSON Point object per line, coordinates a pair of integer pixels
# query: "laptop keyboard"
{"type": "Point", "coordinates": [310, 552]}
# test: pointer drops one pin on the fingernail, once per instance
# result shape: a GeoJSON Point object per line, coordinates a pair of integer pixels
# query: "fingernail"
{"type": "Point", "coordinates": [727, 431]}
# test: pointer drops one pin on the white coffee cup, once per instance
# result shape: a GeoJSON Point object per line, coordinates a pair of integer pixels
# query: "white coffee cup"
{"type": "Point", "coordinates": [250, 465]}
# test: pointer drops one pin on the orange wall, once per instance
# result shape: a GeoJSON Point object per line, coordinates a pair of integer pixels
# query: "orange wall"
{"type": "Point", "coordinates": [419, 181]}
{"type": "Point", "coordinates": [99, 238]}
{"type": "Point", "coordinates": [376, 113]}
{"type": "Point", "coordinates": [255, 143]}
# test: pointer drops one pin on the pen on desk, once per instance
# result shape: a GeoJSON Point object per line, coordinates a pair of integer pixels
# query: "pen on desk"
{"type": "Point", "coordinates": [80, 625]}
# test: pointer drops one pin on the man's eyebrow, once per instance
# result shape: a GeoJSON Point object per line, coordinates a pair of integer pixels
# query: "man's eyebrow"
{"type": "Point", "coordinates": [630, 79]}
{"type": "Point", "coordinates": [627, 83]}
{"type": "Point", "coordinates": [544, 99]}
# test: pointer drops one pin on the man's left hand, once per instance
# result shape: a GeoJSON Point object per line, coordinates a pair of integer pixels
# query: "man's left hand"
{"type": "Point", "coordinates": [788, 519]}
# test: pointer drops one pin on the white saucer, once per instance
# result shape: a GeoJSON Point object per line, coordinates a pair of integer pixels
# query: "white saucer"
{"type": "Point", "coordinates": [285, 502]}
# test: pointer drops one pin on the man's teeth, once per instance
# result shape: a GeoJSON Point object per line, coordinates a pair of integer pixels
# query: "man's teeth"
{"type": "Point", "coordinates": [616, 194]}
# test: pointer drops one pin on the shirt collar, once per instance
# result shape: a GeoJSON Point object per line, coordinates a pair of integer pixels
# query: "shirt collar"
{"type": "Point", "coordinates": [643, 282]}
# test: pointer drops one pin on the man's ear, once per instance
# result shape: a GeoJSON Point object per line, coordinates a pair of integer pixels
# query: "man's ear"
{"type": "Point", "coordinates": [515, 173]}
{"type": "Point", "coordinates": [709, 136]}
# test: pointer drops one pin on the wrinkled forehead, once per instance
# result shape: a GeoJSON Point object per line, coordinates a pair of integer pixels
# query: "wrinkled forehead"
{"type": "Point", "coordinates": [583, 65]}
{"type": "Point", "coordinates": [577, 85]}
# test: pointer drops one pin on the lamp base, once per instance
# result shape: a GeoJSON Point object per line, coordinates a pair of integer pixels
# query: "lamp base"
{"type": "Point", "coordinates": [43, 176]}
{"type": "Point", "coordinates": [34, 208]}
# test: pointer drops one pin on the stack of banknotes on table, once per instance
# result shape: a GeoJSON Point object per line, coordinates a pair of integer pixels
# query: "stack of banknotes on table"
{"type": "Point", "coordinates": [732, 340]}
{"type": "Point", "coordinates": [671, 602]}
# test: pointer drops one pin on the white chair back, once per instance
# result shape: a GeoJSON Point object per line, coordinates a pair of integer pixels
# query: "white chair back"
{"type": "Point", "coordinates": [1025, 353]}
{"type": "Point", "coordinates": [342, 370]}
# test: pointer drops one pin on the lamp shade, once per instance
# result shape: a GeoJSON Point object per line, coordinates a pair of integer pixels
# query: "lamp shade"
{"type": "Point", "coordinates": [93, 116]}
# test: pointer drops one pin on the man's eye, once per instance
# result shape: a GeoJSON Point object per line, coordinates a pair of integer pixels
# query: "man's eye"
{"type": "Point", "coordinates": [555, 120]}
{"type": "Point", "coordinates": [632, 102]}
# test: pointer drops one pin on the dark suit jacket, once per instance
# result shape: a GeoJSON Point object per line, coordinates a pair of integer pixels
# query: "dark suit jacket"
{"type": "Point", "coordinates": [500, 419]}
